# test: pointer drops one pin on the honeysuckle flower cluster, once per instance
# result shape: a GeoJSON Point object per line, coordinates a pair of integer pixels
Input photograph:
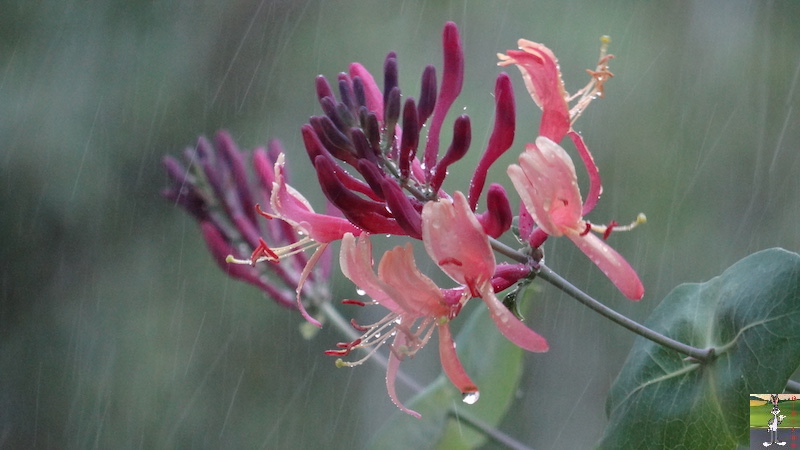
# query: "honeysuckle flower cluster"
{"type": "Point", "coordinates": [378, 160]}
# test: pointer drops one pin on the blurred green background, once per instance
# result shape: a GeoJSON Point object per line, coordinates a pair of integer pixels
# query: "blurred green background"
{"type": "Point", "coordinates": [117, 330]}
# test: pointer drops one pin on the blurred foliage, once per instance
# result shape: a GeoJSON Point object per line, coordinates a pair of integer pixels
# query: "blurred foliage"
{"type": "Point", "coordinates": [119, 331]}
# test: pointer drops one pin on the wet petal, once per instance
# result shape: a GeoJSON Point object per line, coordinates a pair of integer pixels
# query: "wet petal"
{"type": "Point", "coordinates": [391, 375]}
{"type": "Point", "coordinates": [548, 186]}
{"type": "Point", "coordinates": [613, 265]}
{"type": "Point", "coordinates": [456, 240]}
{"type": "Point", "coordinates": [511, 327]}
{"type": "Point", "coordinates": [539, 68]}
{"type": "Point", "coordinates": [411, 290]}
{"type": "Point", "coordinates": [355, 258]}
{"type": "Point", "coordinates": [450, 362]}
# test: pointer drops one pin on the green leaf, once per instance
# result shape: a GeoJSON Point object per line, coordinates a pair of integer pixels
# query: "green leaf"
{"type": "Point", "coordinates": [751, 315]}
{"type": "Point", "coordinates": [492, 362]}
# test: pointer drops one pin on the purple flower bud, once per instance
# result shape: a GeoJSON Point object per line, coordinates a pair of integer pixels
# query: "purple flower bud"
{"type": "Point", "coordinates": [323, 88]}
{"type": "Point", "coordinates": [370, 216]}
{"type": "Point", "coordinates": [458, 148]}
{"type": "Point", "coordinates": [392, 112]}
{"type": "Point", "coordinates": [333, 140]}
{"type": "Point", "coordinates": [408, 217]}
{"type": "Point", "coordinates": [389, 75]}
{"type": "Point", "coordinates": [362, 146]}
{"type": "Point", "coordinates": [346, 91]}
{"type": "Point", "coordinates": [410, 138]}
{"type": "Point", "coordinates": [501, 139]}
{"type": "Point", "coordinates": [359, 92]}
{"type": "Point", "coordinates": [329, 107]}
{"type": "Point", "coordinates": [372, 175]}
{"type": "Point", "coordinates": [228, 151]}
{"type": "Point", "coordinates": [427, 94]}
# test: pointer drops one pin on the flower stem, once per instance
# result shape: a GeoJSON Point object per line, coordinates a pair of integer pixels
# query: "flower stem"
{"type": "Point", "coordinates": [547, 274]}
{"type": "Point", "coordinates": [702, 355]}
{"type": "Point", "coordinates": [344, 326]}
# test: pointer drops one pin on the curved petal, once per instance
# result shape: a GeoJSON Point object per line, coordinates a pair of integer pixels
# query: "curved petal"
{"type": "Point", "coordinates": [292, 207]}
{"type": "Point", "coordinates": [511, 327]}
{"type": "Point", "coordinates": [456, 240]}
{"type": "Point", "coordinates": [408, 287]}
{"type": "Point", "coordinates": [391, 374]}
{"type": "Point", "coordinates": [355, 259]}
{"type": "Point", "coordinates": [551, 193]}
{"type": "Point", "coordinates": [450, 362]}
{"type": "Point", "coordinates": [613, 265]}
{"type": "Point", "coordinates": [539, 68]}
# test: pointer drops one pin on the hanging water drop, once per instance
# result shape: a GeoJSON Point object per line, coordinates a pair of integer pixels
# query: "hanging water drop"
{"type": "Point", "coordinates": [360, 291]}
{"type": "Point", "coordinates": [470, 397]}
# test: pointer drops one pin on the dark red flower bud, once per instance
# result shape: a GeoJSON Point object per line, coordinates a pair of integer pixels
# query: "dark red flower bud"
{"type": "Point", "coordinates": [336, 143]}
{"type": "Point", "coordinates": [389, 75]}
{"type": "Point", "coordinates": [410, 138]}
{"type": "Point", "coordinates": [323, 88]}
{"type": "Point", "coordinates": [427, 94]}
{"type": "Point", "coordinates": [408, 217]}
{"type": "Point", "coordinates": [346, 91]}
{"type": "Point", "coordinates": [462, 136]}
{"type": "Point", "coordinates": [452, 81]}
{"type": "Point", "coordinates": [498, 216]}
{"type": "Point", "coordinates": [368, 215]}
{"type": "Point", "coordinates": [501, 139]}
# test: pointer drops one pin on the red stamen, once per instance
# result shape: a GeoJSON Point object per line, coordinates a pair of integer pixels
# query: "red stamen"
{"type": "Point", "coordinates": [358, 327]}
{"type": "Point", "coordinates": [262, 250]}
{"type": "Point", "coordinates": [609, 228]}
{"type": "Point", "coordinates": [349, 301]}
{"type": "Point", "coordinates": [587, 230]}
{"type": "Point", "coordinates": [264, 214]}
{"type": "Point", "coordinates": [337, 352]}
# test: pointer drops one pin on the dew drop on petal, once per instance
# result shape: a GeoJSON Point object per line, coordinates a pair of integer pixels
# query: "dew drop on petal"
{"type": "Point", "coordinates": [470, 397]}
{"type": "Point", "coordinates": [361, 292]}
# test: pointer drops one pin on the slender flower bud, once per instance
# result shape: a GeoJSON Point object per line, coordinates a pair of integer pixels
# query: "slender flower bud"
{"type": "Point", "coordinates": [452, 81]}
{"type": "Point", "coordinates": [410, 139]}
{"type": "Point", "coordinates": [323, 88]}
{"type": "Point", "coordinates": [427, 94]}
{"type": "Point", "coordinates": [502, 135]}
{"type": "Point", "coordinates": [390, 79]}
{"type": "Point", "coordinates": [462, 136]}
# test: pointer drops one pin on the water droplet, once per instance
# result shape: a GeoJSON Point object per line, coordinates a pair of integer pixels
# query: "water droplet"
{"type": "Point", "coordinates": [361, 292]}
{"type": "Point", "coordinates": [470, 397]}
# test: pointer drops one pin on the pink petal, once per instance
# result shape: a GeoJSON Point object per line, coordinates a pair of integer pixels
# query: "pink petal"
{"type": "Point", "coordinates": [391, 374]}
{"type": "Point", "coordinates": [450, 362]}
{"type": "Point", "coordinates": [611, 263]}
{"type": "Point", "coordinates": [355, 259]}
{"type": "Point", "coordinates": [292, 207]}
{"type": "Point", "coordinates": [303, 277]}
{"type": "Point", "coordinates": [548, 186]}
{"type": "Point", "coordinates": [595, 185]}
{"type": "Point", "coordinates": [511, 327]}
{"type": "Point", "coordinates": [539, 68]}
{"type": "Point", "coordinates": [407, 286]}
{"type": "Point", "coordinates": [455, 239]}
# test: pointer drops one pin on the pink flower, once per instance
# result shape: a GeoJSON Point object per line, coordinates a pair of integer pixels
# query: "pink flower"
{"type": "Point", "coordinates": [455, 239]}
{"type": "Point", "coordinates": [317, 230]}
{"type": "Point", "coordinates": [416, 306]}
{"type": "Point", "coordinates": [548, 186]}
